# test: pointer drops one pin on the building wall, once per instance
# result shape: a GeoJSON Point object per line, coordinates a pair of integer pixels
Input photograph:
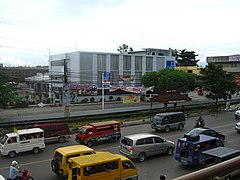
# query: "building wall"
{"type": "Point", "coordinates": [230, 64]}
{"type": "Point", "coordinates": [189, 69]}
{"type": "Point", "coordinates": [87, 67]}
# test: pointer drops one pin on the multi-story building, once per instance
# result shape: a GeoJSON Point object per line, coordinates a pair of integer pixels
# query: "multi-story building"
{"type": "Point", "coordinates": [19, 73]}
{"type": "Point", "coordinates": [126, 69]}
{"type": "Point", "coordinates": [231, 64]}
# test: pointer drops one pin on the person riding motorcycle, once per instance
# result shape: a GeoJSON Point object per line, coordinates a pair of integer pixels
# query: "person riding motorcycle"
{"type": "Point", "coordinates": [200, 122]}
{"type": "Point", "coordinates": [13, 171]}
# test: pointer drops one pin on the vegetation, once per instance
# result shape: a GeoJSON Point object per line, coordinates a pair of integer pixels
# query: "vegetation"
{"type": "Point", "coordinates": [8, 91]}
{"type": "Point", "coordinates": [217, 82]}
{"type": "Point", "coordinates": [169, 79]}
{"type": "Point", "coordinates": [124, 48]}
{"type": "Point", "coordinates": [185, 58]}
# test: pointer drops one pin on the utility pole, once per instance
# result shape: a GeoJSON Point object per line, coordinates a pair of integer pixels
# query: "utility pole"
{"type": "Point", "coordinates": [66, 92]}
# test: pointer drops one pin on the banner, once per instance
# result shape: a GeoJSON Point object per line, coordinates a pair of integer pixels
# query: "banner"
{"type": "Point", "coordinates": [83, 89]}
{"type": "Point", "coordinates": [126, 78]}
{"type": "Point", "coordinates": [138, 90]}
{"type": "Point", "coordinates": [131, 99]}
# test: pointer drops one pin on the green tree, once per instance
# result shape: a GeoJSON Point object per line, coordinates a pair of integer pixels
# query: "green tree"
{"type": "Point", "coordinates": [217, 82]}
{"type": "Point", "coordinates": [169, 79]}
{"type": "Point", "coordinates": [185, 58]}
{"type": "Point", "coordinates": [8, 93]}
{"type": "Point", "coordinates": [124, 48]}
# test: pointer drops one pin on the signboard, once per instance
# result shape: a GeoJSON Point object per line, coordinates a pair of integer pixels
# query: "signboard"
{"type": "Point", "coordinates": [106, 76]}
{"type": "Point", "coordinates": [234, 58]}
{"type": "Point", "coordinates": [66, 95]}
{"type": "Point", "coordinates": [131, 99]}
{"type": "Point", "coordinates": [170, 64]}
{"type": "Point", "coordinates": [83, 89]}
{"type": "Point", "coordinates": [126, 78]}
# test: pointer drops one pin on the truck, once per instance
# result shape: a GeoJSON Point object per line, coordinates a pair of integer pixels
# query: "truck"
{"type": "Point", "coordinates": [98, 132]}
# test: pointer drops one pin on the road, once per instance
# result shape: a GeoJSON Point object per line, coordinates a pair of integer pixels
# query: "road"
{"type": "Point", "coordinates": [39, 165]}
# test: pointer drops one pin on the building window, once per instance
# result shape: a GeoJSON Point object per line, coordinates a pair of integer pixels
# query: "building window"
{"type": "Point", "coordinates": [114, 62]}
{"type": "Point", "coordinates": [190, 71]}
{"type": "Point", "coordinates": [101, 62]}
{"type": "Point", "coordinates": [138, 63]}
{"type": "Point", "coordinates": [149, 63]}
{"type": "Point", "coordinates": [127, 63]}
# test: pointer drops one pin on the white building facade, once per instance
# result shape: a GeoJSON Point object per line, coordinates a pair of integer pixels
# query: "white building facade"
{"type": "Point", "coordinates": [126, 69]}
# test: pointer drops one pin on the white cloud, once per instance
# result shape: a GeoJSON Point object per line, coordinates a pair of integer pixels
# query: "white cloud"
{"type": "Point", "coordinates": [29, 28]}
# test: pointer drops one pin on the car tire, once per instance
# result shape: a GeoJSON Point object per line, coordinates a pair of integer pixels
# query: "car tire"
{"type": "Point", "coordinates": [36, 150]}
{"type": "Point", "coordinates": [142, 157]}
{"type": "Point", "coordinates": [169, 151]}
{"type": "Point", "coordinates": [55, 166]}
{"type": "Point", "coordinates": [61, 139]}
{"type": "Point", "coordinates": [167, 129]}
{"type": "Point", "coordinates": [181, 126]}
{"type": "Point", "coordinates": [12, 154]}
{"type": "Point", "coordinates": [89, 143]}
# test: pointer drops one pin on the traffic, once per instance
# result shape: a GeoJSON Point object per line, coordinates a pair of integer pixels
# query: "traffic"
{"type": "Point", "coordinates": [149, 167]}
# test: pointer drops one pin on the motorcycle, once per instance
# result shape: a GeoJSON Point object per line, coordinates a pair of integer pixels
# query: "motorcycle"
{"type": "Point", "coordinates": [199, 123]}
{"type": "Point", "coordinates": [25, 175]}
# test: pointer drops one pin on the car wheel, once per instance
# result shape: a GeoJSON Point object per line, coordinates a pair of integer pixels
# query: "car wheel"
{"type": "Point", "coordinates": [29, 178]}
{"type": "Point", "coordinates": [141, 157]}
{"type": "Point", "coordinates": [169, 151]}
{"type": "Point", "coordinates": [167, 129]}
{"type": "Point", "coordinates": [181, 126]}
{"type": "Point", "coordinates": [55, 165]}
{"type": "Point", "coordinates": [61, 139]}
{"type": "Point", "coordinates": [89, 143]}
{"type": "Point", "coordinates": [36, 150]}
{"type": "Point", "coordinates": [12, 154]}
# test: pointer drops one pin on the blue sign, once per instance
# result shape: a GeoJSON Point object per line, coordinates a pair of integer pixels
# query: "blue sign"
{"type": "Point", "coordinates": [106, 76]}
{"type": "Point", "coordinates": [170, 64]}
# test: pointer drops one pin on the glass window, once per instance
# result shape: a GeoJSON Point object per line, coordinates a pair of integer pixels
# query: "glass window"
{"type": "Point", "coordinates": [138, 63]}
{"type": "Point", "coordinates": [127, 63]}
{"type": "Point", "coordinates": [101, 62]}
{"type": "Point", "coordinates": [114, 62]}
{"type": "Point", "coordinates": [140, 142]}
{"type": "Point", "coordinates": [148, 140]}
{"type": "Point", "coordinates": [158, 140]}
{"type": "Point", "coordinates": [149, 63]}
{"type": "Point", "coordinates": [127, 165]}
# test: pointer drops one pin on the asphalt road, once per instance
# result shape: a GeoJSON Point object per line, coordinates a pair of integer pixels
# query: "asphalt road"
{"type": "Point", "coordinates": [39, 165]}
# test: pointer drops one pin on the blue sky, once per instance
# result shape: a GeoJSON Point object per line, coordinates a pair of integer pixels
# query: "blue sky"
{"type": "Point", "coordinates": [30, 30]}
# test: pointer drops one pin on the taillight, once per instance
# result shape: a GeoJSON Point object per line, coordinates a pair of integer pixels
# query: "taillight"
{"type": "Point", "coordinates": [131, 148]}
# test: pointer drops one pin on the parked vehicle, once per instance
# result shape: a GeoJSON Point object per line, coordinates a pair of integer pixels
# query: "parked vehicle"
{"type": "Point", "coordinates": [188, 149]}
{"type": "Point", "coordinates": [206, 131]}
{"type": "Point", "coordinates": [98, 132]}
{"type": "Point", "coordinates": [55, 131]}
{"type": "Point", "coordinates": [237, 127]}
{"type": "Point", "coordinates": [237, 114]}
{"type": "Point", "coordinates": [217, 155]}
{"type": "Point", "coordinates": [22, 141]}
{"type": "Point", "coordinates": [143, 145]}
{"type": "Point", "coordinates": [168, 121]}
{"type": "Point", "coordinates": [102, 165]}
{"type": "Point", "coordinates": [59, 163]}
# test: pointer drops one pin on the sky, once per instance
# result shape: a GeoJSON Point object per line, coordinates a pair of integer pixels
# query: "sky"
{"type": "Point", "coordinates": [31, 30]}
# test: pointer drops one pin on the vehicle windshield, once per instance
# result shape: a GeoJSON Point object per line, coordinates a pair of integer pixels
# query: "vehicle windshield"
{"type": "Point", "coordinates": [158, 118]}
{"type": "Point", "coordinates": [82, 130]}
{"type": "Point", "coordinates": [196, 131]}
{"type": "Point", "coordinates": [4, 139]}
{"type": "Point", "coordinates": [127, 141]}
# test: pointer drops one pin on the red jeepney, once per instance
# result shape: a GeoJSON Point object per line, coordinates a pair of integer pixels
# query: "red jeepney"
{"type": "Point", "coordinates": [98, 132]}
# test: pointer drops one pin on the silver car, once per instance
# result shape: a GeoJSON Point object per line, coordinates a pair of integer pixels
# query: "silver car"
{"type": "Point", "coordinates": [142, 145]}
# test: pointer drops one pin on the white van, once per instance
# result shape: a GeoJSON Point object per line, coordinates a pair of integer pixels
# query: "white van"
{"type": "Point", "coordinates": [22, 141]}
